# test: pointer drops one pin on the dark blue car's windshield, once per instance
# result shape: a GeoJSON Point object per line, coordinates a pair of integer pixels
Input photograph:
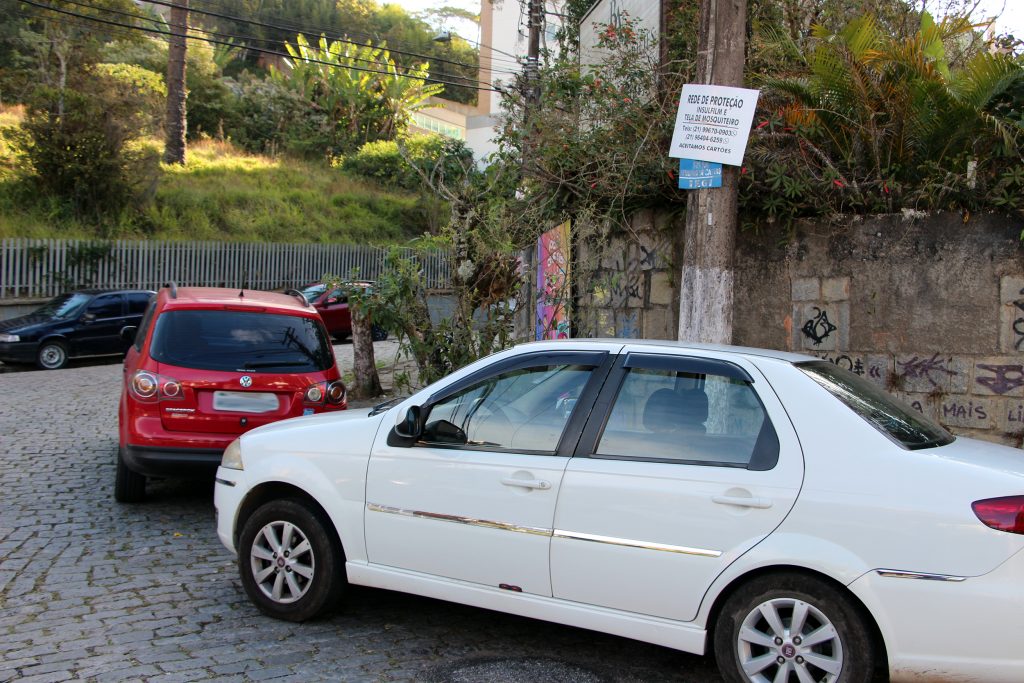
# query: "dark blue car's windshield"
{"type": "Point", "coordinates": [65, 305]}
{"type": "Point", "coordinates": [241, 341]}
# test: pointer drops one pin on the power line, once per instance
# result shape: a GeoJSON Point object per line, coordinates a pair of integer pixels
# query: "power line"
{"type": "Point", "coordinates": [283, 24]}
{"type": "Point", "coordinates": [158, 22]}
{"type": "Point", "coordinates": [215, 41]}
{"type": "Point", "coordinates": [256, 22]}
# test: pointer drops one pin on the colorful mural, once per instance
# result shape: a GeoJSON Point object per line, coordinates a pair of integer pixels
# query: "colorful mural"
{"type": "Point", "coordinates": [554, 280]}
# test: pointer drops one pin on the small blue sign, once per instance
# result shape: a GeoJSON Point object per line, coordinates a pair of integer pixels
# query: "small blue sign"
{"type": "Point", "coordinates": [699, 175]}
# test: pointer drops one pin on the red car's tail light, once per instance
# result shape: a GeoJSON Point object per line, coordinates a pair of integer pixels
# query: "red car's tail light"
{"type": "Point", "coordinates": [333, 393]}
{"type": "Point", "coordinates": [149, 387]}
{"type": "Point", "coordinates": [336, 392]}
{"type": "Point", "coordinates": [1003, 514]}
{"type": "Point", "coordinates": [314, 393]}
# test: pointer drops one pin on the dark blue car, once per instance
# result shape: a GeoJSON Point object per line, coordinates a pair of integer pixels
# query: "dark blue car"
{"type": "Point", "coordinates": [78, 324]}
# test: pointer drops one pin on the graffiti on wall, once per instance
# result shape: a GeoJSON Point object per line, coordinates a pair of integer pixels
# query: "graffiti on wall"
{"type": "Point", "coordinates": [554, 282]}
{"type": "Point", "coordinates": [1018, 324]}
{"type": "Point", "coordinates": [819, 327]}
{"type": "Point", "coordinates": [926, 368]}
{"type": "Point", "coordinates": [1004, 378]}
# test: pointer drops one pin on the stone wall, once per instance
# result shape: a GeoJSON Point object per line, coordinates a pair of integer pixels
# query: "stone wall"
{"type": "Point", "coordinates": [932, 308]}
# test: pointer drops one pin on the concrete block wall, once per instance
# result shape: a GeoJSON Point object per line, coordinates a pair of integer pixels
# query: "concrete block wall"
{"type": "Point", "coordinates": [930, 308]}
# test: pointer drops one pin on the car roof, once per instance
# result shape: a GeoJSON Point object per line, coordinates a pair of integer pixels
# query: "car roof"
{"type": "Point", "coordinates": [615, 343]}
{"type": "Point", "coordinates": [94, 291]}
{"type": "Point", "coordinates": [218, 297]}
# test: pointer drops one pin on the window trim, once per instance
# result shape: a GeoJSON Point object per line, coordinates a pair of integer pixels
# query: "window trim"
{"type": "Point", "coordinates": [600, 361]}
{"type": "Point", "coordinates": [602, 410]}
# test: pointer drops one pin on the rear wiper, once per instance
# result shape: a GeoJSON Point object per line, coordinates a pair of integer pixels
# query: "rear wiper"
{"type": "Point", "coordinates": [273, 364]}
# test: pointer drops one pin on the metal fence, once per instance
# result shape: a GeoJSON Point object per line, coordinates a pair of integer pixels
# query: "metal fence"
{"type": "Point", "coordinates": [42, 268]}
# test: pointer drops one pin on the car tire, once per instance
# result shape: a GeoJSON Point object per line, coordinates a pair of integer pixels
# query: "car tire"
{"type": "Point", "coordinates": [52, 355]}
{"type": "Point", "coordinates": [129, 486]}
{"type": "Point", "coordinates": [271, 575]}
{"type": "Point", "coordinates": [757, 620]}
{"type": "Point", "coordinates": [378, 333]}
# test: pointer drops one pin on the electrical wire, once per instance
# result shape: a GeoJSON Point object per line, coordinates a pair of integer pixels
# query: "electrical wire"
{"type": "Point", "coordinates": [215, 41]}
{"type": "Point", "coordinates": [159, 22]}
{"type": "Point", "coordinates": [264, 24]}
{"type": "Point", "coordinates": [286, 25]}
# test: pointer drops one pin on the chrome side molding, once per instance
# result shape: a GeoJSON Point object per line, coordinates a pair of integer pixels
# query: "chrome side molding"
{"type": "Point", "coordinates": [924, 576]}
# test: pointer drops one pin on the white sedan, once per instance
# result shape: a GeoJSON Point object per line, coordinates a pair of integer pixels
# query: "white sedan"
{"type": "Point", "coordinates": [771, 508]}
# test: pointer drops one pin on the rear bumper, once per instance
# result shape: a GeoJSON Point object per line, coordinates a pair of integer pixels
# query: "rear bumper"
{"type": "Point", "coordinates": [949, 631]}
{"type": "Point", "coordinates": [154, 461]}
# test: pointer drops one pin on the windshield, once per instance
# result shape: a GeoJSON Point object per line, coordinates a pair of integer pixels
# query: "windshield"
{"type": "Point", "coordinates": [313, 291]}
{"type": "Point", "coordinates": [893, 418]}
{"type": "Point", "coordinates": [65, 305]}
{"type": "Point", "coordinates": [241, 341]}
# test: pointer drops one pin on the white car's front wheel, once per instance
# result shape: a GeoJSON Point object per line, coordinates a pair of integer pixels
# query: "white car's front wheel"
{"type": "Point", "coordinates": [290, 564]}
{"type": "Point", "coordinates": [791, 628]}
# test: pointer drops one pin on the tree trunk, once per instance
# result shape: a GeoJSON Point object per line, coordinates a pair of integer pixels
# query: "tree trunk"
{"type": "Point", "coordinates": [706, 284]}
{"type": "Point", "coordinates": [175, 124]}
{"type": "Point", "coordinates": [364, 364]}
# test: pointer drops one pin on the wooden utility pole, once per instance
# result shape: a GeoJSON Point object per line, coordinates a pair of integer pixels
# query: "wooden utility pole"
{"type": "Point", "coordinates": [175, 123]}
{"type": "Point", "coordinates": [706, 285]}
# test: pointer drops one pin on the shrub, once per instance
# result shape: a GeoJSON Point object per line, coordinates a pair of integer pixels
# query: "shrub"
{"type": "Point", "coordinates": [79, 143]}
{"type": "Point", "coordinates": [384, 162]}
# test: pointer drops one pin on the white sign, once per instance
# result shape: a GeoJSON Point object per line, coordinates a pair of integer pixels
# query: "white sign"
{"type": "Point", "coordinates": [713, 123]}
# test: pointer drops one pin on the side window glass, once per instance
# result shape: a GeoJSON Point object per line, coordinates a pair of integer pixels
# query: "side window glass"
{"type": "Point", "coordinates": [520, 410]}
{"type": "Point", "coordinates": [147, 320]}
{"type": "Point", "coordinates": [336, 297]}
{"type": "Point", "coordinates": [105, 307]}
{"type": "Point", "coordinates": [137, 303]}
{"type": "Point", "coordinates": [689, 418]}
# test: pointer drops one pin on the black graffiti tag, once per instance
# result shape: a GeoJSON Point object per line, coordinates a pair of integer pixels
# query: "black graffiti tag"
{"type": "Point", "coordinates": [1019, 323]}
{"type": "Point", "coordinates": [922, 368]}
{"type": "Point", "coordinates": [1005, 377]}
{"type": "Point", "coordinates": [819, 327]}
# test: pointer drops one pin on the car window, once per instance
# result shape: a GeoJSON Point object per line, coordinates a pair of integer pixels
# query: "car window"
{"type": "Point", "coordinates": [899, 422]}
{"type": "Point", "coordinates": [337, 297]}
{"type": "Point", "coordinates": [312, 292]}
{"type": "Point", "coordinates": [689, 417]}
{"type": "Point", "coordinates": [522, 410]}
{"type": "Point", "coordinates": [108, 306]}
{"type": "Point", "coordinates": [241, 341]}
{"type": "Point", "coordinates": [65, 305]}
{"type": "Point", "coordinates": [147, 320]}
{"type": "Point", "coordinates": [137, 302]}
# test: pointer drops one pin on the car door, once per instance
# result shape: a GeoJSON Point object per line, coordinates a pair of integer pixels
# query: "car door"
{"type": "Point", "coordinates": [686, 463]}
{"type": "Point", "coordinates": [98, 330]}
{"type": "Point", "coordinates": [335, 313]}
{"type": "Point", "coordinates": [473, 498]}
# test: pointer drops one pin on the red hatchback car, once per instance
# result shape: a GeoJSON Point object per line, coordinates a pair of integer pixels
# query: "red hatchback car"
{"type": "Point", "coordinates": [207, 364]}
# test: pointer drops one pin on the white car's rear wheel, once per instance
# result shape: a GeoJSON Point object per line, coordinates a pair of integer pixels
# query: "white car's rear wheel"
{"type": "Point", "coordinates": [788, 628]}
{"type": "Point", "coordinates": [290, 565]}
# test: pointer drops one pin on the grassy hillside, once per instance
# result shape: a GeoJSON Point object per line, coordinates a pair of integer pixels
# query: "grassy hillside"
{"type": "Point", "coordinates": [225, 194]}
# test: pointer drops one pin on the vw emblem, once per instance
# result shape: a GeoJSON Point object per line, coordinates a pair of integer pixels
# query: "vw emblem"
{"type": "Point", "coordinates": [246, 381]}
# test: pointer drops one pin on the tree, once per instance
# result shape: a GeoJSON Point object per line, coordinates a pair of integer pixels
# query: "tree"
{"type": "Point", "coordinates": [176, 126]}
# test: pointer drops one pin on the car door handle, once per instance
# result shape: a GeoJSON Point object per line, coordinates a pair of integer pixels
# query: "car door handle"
{"type": "Point", "coordinates": [742, 501]}
{"type": "Point", "coordinates": [527, 483]}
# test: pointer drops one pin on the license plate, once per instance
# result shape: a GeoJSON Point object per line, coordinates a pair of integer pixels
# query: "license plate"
{"type": "Point", "coordinates": [245, 401]}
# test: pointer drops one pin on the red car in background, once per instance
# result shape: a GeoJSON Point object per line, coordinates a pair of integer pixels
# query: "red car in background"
{"type": "Point", "coordinates": [208, 364]}
{"type": "Point", "coordinates": [332, 305]}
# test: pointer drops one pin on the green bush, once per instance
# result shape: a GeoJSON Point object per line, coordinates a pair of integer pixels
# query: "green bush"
{"type": "Point", "coordinates": [435, 155]}
{"type": "Point", "coordinates": [80, 144]}
{"type": "Point", "coordinates": [269, 118]}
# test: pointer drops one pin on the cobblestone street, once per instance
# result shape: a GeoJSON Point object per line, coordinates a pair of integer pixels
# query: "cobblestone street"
{"type": "Point", "coordinates": [93, 590]}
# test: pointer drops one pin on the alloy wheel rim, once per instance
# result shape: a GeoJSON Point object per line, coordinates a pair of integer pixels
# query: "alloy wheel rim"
{"type": "Point", "coordinates": [282, 562]}
{"type": "Point", "coordinates": [785, 640]}
{"type": "Point", "coordinates": [52, 356]}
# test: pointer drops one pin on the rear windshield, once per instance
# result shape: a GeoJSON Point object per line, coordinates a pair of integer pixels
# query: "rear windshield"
{"type": "Point", "coordinates": [241, 341]}
{"type": "Point", "coordinates": [893, 418]}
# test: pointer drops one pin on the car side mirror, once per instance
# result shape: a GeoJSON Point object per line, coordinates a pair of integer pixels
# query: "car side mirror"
{"type": "Point", "coordinates": [128, 333]}
{"type": "Point", "coordinates": [411, 427]}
